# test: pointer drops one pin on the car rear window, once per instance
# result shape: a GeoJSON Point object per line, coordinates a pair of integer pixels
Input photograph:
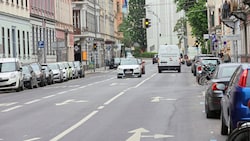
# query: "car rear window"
{"type": "Point", "coordinates": [226, 71]}
{"type": "Point", "coordinates": [212, 61]}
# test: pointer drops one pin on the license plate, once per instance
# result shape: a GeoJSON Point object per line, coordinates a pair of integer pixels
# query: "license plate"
{"type": "Point", "coordinates": [128, 71]}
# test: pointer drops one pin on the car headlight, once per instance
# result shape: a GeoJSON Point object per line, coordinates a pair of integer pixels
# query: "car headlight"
{"type": "Point", "coordinates": [137, 68]}
{"type": "Point", "coordinates": [13, 75]}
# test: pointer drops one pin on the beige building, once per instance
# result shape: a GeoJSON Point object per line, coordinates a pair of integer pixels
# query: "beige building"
{"type": "Point", "coordinates": [229, 28]}
{"type": "Point", "coordinates": [64, 28]}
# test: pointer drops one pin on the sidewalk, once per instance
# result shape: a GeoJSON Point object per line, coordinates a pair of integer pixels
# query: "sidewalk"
{"type": "Point", "coordinates": [100, 69]}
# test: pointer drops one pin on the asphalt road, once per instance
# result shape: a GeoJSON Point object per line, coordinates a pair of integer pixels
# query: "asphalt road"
{"type": "Point", "coordinates": [166, 106]}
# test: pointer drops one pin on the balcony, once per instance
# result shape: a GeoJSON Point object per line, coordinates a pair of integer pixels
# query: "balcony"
{"type": "Point", "coordinates": [246, 2]}
{"type": "Point", "coordinates": [77, 31]}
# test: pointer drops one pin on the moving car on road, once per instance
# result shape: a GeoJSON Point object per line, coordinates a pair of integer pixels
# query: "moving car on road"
{"type": "Point", "coordinates": [129, 67]}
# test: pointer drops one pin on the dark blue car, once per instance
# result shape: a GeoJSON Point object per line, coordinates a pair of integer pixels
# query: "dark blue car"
{"type": "Point", "coordinates": [234, 103]}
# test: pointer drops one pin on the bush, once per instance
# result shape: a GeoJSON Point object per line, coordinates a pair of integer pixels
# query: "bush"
{"type": "Point", "coordinates": [144, 54]}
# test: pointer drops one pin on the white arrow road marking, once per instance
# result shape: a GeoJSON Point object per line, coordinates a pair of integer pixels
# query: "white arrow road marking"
{"type": "Point", "coordinates": [157, 136]}
{"type": "Point", "coordinates": [7, 104]}
{"type": "Point", "coordinates": [70, 101]}
{"type": "Point", "coordinates": [33, 139]}
{"type": "Point", "coordinates": [158, 99]}
{"type": "Point", "coordinates": [113, 84]}
{"type": "Point", "coordinates": [137, 134]}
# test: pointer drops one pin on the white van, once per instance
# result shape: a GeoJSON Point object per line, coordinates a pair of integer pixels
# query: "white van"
{"type": "Point", "coordinates": [169, 58]}
{"type": "Point", "coordinates": [11, 77]}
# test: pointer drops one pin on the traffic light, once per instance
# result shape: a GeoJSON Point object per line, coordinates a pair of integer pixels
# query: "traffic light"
{"type": "Point", "coordinates": [196, 43]}
{"type": "Point", "coordinates": [146, 22]}
{"type": "Point", "coordinates": [95, 46]}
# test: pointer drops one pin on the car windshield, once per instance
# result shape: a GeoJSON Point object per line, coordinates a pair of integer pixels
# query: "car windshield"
{"type": "Point", "coordinates": [25, 69]}
{"type": "Point", "coordinates": [226, 71]}
{"type": "Point", "coordinates": [35, 67]}
{"type": "Point", "coordinates": [7, 66]}
{"type": "Point", "coordinates": [129, 62]}
{"type": "Point", "coordinates": [53, 66]}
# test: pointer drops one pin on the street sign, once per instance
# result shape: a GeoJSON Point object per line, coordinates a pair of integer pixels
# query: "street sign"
{"type": "Point", "coordinates": [205, 36]}
{"type": "Point", "coordinates": [41, 44]}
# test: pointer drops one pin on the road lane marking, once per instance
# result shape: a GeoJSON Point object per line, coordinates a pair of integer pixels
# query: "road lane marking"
{"type": "Point", "coordinates": [78, 124]}
{"type": "Point", "coordinates": [63, 92]}
{"type": "Point", "coordinates": [113, 84]}
{"type": "Point", "coordinates": [100, 107]}
{"type": "Point", "coordinates": [114, 98]}
{"type": "Point", "coordinates": [138, 85]}
{"type": "Point", "coordinates": [70, 101]}
{"type": "Point", "coordinates": [33, 139]}
{"type": "Point", "coordinates": [33, 101]}
{"type": "Point", "coordinates": [12, 108]}
{"type": "Point", "coordinates": [49, 96]}
{"type": "Point", "coordinates": [7, 104]}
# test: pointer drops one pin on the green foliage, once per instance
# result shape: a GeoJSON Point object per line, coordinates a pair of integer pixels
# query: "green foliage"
{"type": "Point", "coordinates": [145, 55]}
{"type": "Point", "coordinates": [196, 15]}
{"type": "Point", "coordinates": [132, 25]}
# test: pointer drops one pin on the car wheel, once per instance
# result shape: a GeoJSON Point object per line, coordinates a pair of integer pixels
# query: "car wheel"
{"type": "Point", "coordinates": [31, 84]}
{"type": "Point", "coordinates": [209, 114]}
{"type": "Point", "coordinates": [19, 87]}
{"type": "Point", "coordinates": [159, 71]}
{"type": "Point", "coordinates": [224, 128]}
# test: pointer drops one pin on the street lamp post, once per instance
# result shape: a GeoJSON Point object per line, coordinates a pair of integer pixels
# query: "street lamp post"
{"type": "Point", "coordinates": [44, 30]}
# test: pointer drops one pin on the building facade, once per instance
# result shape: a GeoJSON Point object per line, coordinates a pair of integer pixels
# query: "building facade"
{"type": "Point", "coordinates": [94, 23]}
{"type": "Point", "coordinates": [163, 19]}
{"type": "Point", "coordinates": [43, 33]}
{"type": "Point", "coordinates": [15, 29]}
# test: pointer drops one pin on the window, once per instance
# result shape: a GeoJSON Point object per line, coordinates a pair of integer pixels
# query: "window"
{"type": "Point", "coordinates": [28, 45]}
{"type": "Point", "coordinates": [8, 36]}
{"type": "Point", "coordinates": [26, 3]}
{"type": "Point", "coordinates": [3, 41]}
{"type": "Point", "coordinates": [22, 3]}
{"type": "Point", "coordinates": [18, 42]}
{"type": "Point", "coordinates": [24, 43]}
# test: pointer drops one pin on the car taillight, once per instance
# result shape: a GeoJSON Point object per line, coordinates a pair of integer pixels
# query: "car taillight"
{"type": "Point", "coordinates": [248, 104]}
{"type": "Point", "coordinates": [243, 78]}
{"type": "Point", "coordinates": [199, 68]}
{"type": "Point", "coordinates": [214, 86]}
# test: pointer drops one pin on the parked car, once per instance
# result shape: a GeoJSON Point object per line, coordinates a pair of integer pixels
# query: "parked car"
{"type": "Point", "coordinates": [74, 70]}
{"type": "Point", "coordinates": [29, 77]}
{"type": "Point", "coordinates": [64, 70]}
{"type": "Point", "coordinates": [114, 63]}
{"type": "Point", "coordinates": [155, 59]}
{"type": "Point", "coordinates": [48, 74]}
{"type": "Point", "coordinates": [222, 75]}
{"type": "Point", "coordinates": [40, 74]}
{"type": "Point", "coordinates": [235, 102]}
{"type": "Point", "coordinates": [129, 68]}
{"type": "Point", "coordinates": [11, 77]}
{"type": "Point", "coordinates": [142, 64]}
{"type": "Point", "coordinates": [210, 62]}
{"type": "Point", "coordinates": [68, 70]}
{"type": "Point", "coordinates": [57, 72]}
{"type": "Point", "coordinates": [195, 61]}
{"type": "Point", "coordinates": [79, 68]}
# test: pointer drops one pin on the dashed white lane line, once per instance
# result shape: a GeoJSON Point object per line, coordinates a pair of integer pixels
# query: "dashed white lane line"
{"type": "Point", "coordinates": [64, 133]}
{"type": "Point", "coordinates": [7, 104]}
{"type": "Point", "coordinates": [49, 96]}
{"type": "Point", "coordinates": [114, 98]}
{"type": "Point", "coordinates": [33, 139]}
{"type": "Point", "coordinates": [100, 107]}
{"type": "Point", "coordinates": [33, 101]}
{"type": "Point", "coordinates": [12, 108]}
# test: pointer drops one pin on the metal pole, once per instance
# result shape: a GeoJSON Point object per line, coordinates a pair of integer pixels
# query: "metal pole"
{"type": "Point", "coordinates": [66, 44]}
{"type": "Point", "coordinates": [44, 48]}
{"type": "Point", "coordinates": [245, 30]}
{"type": "Point", "coordinates": [95, 52]}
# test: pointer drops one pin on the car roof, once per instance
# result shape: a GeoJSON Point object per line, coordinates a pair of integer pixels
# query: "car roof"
{"type": "Point", "coordinates": [206, 58]}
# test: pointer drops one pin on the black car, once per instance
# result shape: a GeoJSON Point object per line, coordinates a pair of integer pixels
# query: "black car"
{"type": "Point", "coordinates": [213, 95]}
{"type": "Point", "coordinates": [48, 74]}
{"type": "Point", "coordinates": [29, 77]}
{"type": "Point", "coordinates": [40, 74]}
{"type": "Point", "coordinates": [155, 59]}
{"type": "Point", "coordinates": [114, 63]}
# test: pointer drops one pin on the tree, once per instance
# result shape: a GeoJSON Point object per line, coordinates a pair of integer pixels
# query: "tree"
{"type": "Point", "coordinates": [196, 16]}
{"type": "Point", "coordinates": [132, 25]}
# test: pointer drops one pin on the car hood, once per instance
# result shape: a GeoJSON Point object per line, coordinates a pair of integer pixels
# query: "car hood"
{"type": "Point", "coordinates": [128, 66]}
{"type": "Point", "coordinates": [7, 74]}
